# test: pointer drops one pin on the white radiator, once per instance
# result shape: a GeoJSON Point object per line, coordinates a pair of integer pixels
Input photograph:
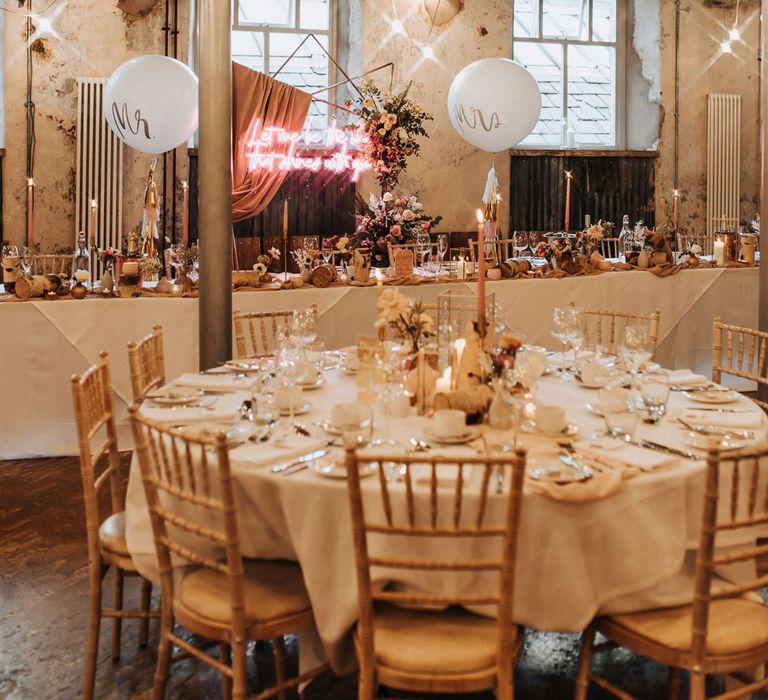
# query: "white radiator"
{"type": "Point", "coordinates": [99, 175]}
{"type": "Point", "coordinates": [723, 161]}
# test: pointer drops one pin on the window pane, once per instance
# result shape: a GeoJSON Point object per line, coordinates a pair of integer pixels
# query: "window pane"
{"type": "Point", "coordinates": [592, 94]}
{"type": "Point", "coordinates": [248, 49]}
{"type": "Point", "coordinates": [545, 62]}
{"type": "Point", "coordinates": [315, 14]}
{"type": "Point", "coordinates": [604, 20]}
{"type": "Point", "coordinates": [307, 70]}
{"type": "Point", "coordinates": [526, 18]}
{"type": "Point", "coordinates": [275, 12]}
{"type": "Point", "coordinates": [565, 19]}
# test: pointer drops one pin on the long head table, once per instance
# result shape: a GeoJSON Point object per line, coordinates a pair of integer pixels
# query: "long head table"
{"type": "Point", "coordinates": [627, 551]}
{"type": "Point", "coordinates": [42, 343]}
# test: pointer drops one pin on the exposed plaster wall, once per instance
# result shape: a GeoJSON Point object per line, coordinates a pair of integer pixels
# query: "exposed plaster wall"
{"type": "Point", "coordinates": [450, 175]}
{"type": "Point", "coordinates": [89, 38]}
{"type": "Point", "coordinates": [704, 71]}
{"type": "Point", "coordinates": [643, 70]}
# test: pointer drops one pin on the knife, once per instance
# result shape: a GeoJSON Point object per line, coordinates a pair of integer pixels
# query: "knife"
{"type": "Point", "coordinates": [648, 444]}
{"type": "Point", "coordinates": [720, 410]}
{"type": "Point", "coordinates": [284, 466]}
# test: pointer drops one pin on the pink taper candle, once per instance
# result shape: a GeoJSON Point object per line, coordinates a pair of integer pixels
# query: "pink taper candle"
{"type": "Point", "coordinates": [30, 210]}
{"type": "Point", "coordinates": [185, 214]}
{"type": "Point", "coordinates": [93, 224]}
{"type": "Point", "coordinates": [482, 233]}
{"type": "Point", "coordinates": [568, 178]}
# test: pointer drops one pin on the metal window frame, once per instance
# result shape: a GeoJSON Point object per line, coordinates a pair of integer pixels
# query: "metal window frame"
{"type": "Point", "coordinates": [295, 28]}
{"type": "Point", "coordinates": [620, 47]}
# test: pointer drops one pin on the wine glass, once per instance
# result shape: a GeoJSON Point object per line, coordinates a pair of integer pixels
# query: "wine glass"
{"type": "Point", "coordinates": [355, 423]}
{"type": "Point", "coordinates": [575, 330]}
{"type": "Point", "coordinates": [423, 246]}
{"type": "Point", "coordinates": [519, 242]}
{"type": "Point", "coordinates": [559, 332]}
{"type": "Point", "coordinates": [654, 394]}
{"type": "Point", "coordinates": [327, 250]}
{"type": "Point", "coordinates": [442, 248]}
{"type": "Point", "coordinates": [534, 238]}
{"type": "Point", "coordinates": [635, 347]}
{"type": "Point", "coordinates": [304, 326]}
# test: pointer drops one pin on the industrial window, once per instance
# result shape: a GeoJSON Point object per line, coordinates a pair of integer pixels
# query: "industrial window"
{"type": "Point", "coordinates": [574, 50]}
{"type": "Point", "coordinates": [266, 32]}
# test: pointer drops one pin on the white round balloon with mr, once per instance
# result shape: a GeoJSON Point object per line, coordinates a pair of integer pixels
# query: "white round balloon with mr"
{"type": "Point", "coordinates": [494, 103]}
{"type": "Point", "coordinates": [151, 103]}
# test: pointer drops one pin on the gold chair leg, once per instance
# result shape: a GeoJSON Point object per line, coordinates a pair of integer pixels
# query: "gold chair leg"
{"type": "Point", "coordinates": [279, 647]}
{"type": "Point", "coordinates": [117, 622]}
{"type": "Point", "coordinates": [366, 684]}
{"type": "Point", "coordinates": [697, 686]}
{"type": "Point", "coordinates": [225, 656]}
{"type": "Point", "coordinates": [146, 603]}
{"type": "Point", "coordinates": [238, 670]}
{"type": "Point", "coordinates": [163, 651]}
{"type": "Point", "coordinates": [94, 625]}
{"type": "Point", "coordinates": [585, 663]}
{"type": "Point", "coordinates": [673, 684]}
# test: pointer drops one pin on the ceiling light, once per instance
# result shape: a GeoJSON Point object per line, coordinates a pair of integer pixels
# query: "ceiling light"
{"type": "Point", "coordinates": [397, 27]}
{"type": "Point", "coordinates": [725, 46]}
{"type": "Point", "coordinates": [428, 53]}
{"type": "Point", "coordinates": [734, 34]}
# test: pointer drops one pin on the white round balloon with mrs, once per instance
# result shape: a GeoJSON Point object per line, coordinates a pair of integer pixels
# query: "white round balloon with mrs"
{"type": "Point", "coordinates": [494, 103]}
{"type": "Point", "coordinates": [151, 103]}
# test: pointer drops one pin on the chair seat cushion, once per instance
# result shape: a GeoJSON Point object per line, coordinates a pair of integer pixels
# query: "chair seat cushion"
{"type": "Point", "coordinates": [273, 590]}
{"type": "Point", "coordinates": [735, 625]}
{"type": "Point", "coordinates": [454, 641]}
{"type": "Point", "coordinates": [112, 534]}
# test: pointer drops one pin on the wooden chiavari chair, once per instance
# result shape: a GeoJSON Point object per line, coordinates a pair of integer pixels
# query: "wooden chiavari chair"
{"type": "Point", "coordinates": [146, 360]}
{"type": "Point", "coordinates": [705, 242]}
{"type": "Point", "coordinates": [606, 327]}
{"type": "Point", "coordinates": [610, 248]}
{"type": "Point", "coordinates": [493, 252]}
{"type": "Point", "coordinates": [256, 332]}
{"type": "Point", "coordinates": [99, 469]}
{"type": "Point", "coordinates": [724, 630]}
{"type": "Point", "coordinates": [216, 594]}
{"type": "Point", "coordinates": [745, 355]}
{"type": "Point", "coordinates": [418, 649]}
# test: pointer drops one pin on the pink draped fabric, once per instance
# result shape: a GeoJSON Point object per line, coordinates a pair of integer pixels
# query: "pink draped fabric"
{"type": "Point", "coordinates": [259, 101]}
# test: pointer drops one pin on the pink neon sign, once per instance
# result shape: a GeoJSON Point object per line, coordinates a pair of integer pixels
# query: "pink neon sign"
{"type": "Point", "coordinates": [267, 149]}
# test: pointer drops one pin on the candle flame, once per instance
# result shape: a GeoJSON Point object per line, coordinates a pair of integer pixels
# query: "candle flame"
{"type": "Point", "coordinates": [677, 193]}
{"type": "Point", "coordinates": [30, 182]}
{"type": "Point", "coordinates": [184, 185]}
{"type": "Point", "coordinates": [93, 204]}
{"type": "Point", "coordinates": [379, 274]}
{"type": "Point", "coordinates": [479, 215]}
{"type": "Point", "coordinates": [569, 174]}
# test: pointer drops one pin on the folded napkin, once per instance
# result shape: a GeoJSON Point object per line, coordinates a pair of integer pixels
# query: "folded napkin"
{"type": "Point", "coordinates": [685, 377]}
{"type": "Point", "coordinates": [622, 454]}
{"type": "Point", "coordinates": [750, 420]}
{"type": "Point", "coordinates": [253, 454]}
{"type": "Point", "coordinates": [221, 409]}
{"type": "Point", "coordinates": [217, 382]}
{"type": "Point", "coordinates": [604, 482]}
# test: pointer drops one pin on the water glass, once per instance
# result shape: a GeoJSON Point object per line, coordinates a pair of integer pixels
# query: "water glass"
{"type": "Point", "coordinates": [355, 421]}
{"type": "Point", "coordinates": [636, 347]}
{"type": "Point", "coordinates": [654, 394]}
{"type": "Point", "coordinates": [519, 242]}
{"type": "Point", "coordinates": [620, 420]}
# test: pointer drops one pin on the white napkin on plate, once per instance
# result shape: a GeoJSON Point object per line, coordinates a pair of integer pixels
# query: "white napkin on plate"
{"type": "Point", "coordinates": [217, 409]}
{"type": "Point", "coordinates": [615, 452]}
{"type": "Point", "coordinates": [750, 420]}
{"type": "Point", "coordinates": [217, 382]}
{"type": "Point", "coordinates": [685, 377]}
{"type": "Point", "coordinates": [254, 454]}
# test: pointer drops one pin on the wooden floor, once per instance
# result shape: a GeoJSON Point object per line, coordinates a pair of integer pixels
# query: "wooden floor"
{"type": "Point", "coordinates": [43, 595]}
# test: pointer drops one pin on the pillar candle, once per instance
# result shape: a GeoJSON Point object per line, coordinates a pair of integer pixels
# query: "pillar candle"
{"type": "Point", "coordinates": [443, 385]}
{"type": "Point", "coordinates": [719, 252]}
{"type": "Point", "coordinates": [30, 210]}
{"type": "Point", "coordinates": [568, 178]}
{"type": "Point", "coordinates": [185, 214]}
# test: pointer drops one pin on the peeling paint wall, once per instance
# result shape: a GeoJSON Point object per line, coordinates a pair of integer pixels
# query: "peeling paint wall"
{"type": "Point", "coordinates": [703, 70]}
{"type": "Point", "coordinates": [450, 174]}
{"type": "Point", "coordinates": [89, 38]}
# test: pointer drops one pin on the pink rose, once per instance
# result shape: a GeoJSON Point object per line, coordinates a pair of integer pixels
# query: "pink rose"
{"type": "Point", "coordinates": [395, 230]}
{"type": "Point", "coordinates": [426, 225]}
{"type": "Point", "coordinates": [408, 215]}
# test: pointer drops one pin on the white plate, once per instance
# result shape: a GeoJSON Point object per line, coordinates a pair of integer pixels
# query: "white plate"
{"type": "Point", "coordinates": [704, 442]}
{"type": "Point", "coordinates": [177, 397]}
{"type": "Point", "coordinates": [242, 366]}
{"type": "Point", "coordinates": [313, 385]}
{"type": "Point", "coordinates": [568, 431]}
{"type": "Point", "coordinates": [553, 472]}
{"type": "Point", "coordinates": [715, 396]}
{"type": "Point", "coordinates": [471, 434]}
{"type": "Point", "coordinates": [298, 411]}
{"type": "Point", "coordinates": [236, 432]}
{"type": "Point", "coordinates": [331, 468]}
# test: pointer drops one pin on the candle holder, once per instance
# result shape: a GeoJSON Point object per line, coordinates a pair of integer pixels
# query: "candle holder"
{"type": "Point", "coordinates": [455, 309]}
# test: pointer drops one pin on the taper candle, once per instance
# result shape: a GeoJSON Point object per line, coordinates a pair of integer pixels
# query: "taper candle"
{"type": "Point", "coordinates": [676, 210]}
{"type": "Point", "coordinates": [185, 214]}
{"type": "Point", "coordinates": [485, 231]}
{"type": "Point", "coordinates": [92, 232]}
{"type": "Point", "coordinates": [568, 178]}
{"type": "Point", "coordinates": [480, 222]}
{"type": "Point", "coordinates": [285, 238]}
{"type": "Point", "coordinates": [379, 292]}
{"type": "Point", "coordinates": [30, 210]}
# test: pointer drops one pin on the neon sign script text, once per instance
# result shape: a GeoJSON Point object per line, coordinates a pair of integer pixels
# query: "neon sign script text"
{"type": "Point", "coordinates": [275, 149]}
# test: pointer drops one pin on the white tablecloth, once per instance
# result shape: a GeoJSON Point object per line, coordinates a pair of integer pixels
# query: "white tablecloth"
{"type": "Point", "coordinates": [42, 343]}
{"type": "Point", "coordinates": [626, 552]}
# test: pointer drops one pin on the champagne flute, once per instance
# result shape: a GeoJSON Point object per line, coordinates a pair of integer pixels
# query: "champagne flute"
{"type": "Point", "coordinates": [519, 242]}
{"type": "Point", "coordinates": [423, 246]}
{"type": "Point", "coordinates": [327, 250]}
{"type": "Point", "coordinates": [442, 248]}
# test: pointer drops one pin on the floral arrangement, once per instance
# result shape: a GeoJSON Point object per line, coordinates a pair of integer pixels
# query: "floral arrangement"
{"type": "Point", "coordinates": [108, 257]}
{"type": "Point", "coordinates": [340, 244]}
{"type": "Point", "coordinates": [265, 259]}
{"type": "Point", "coordinates": [405, 317]}
{"type": "Point", "coordinates": [150, 267]}
{"type": "Point", "coordinates": [390, 219]}
{"type": "Point", "coordinates": [390, 125]}
{"type": "Point", "coordinates": [504, 355]}
{"type": "Point", "coordinates": [305, 259]}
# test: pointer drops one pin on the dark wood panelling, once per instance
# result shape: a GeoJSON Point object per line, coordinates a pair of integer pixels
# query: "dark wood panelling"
{"type": "Point", "coordinates": [605, 187]}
